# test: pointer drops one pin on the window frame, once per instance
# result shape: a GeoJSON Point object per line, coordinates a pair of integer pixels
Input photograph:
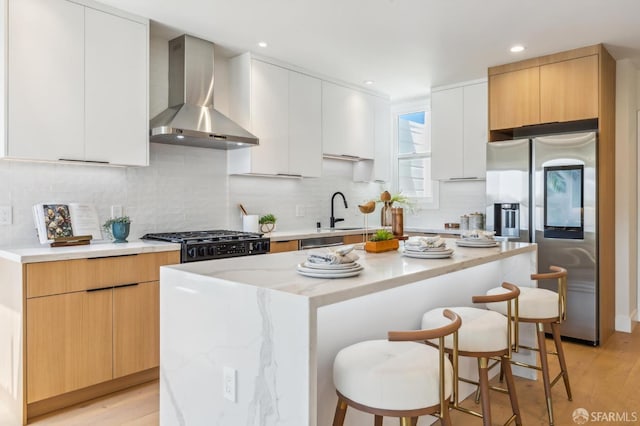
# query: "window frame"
{"type": "Point", "coordinates": [407, 107]}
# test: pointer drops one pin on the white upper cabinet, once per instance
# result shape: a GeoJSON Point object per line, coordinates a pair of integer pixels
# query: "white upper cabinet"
{"type": "Point", "coordinates": [459, 132]}
{"type": "Point", "coordinates": [347, 122]}
{"type": "Point", "coordinates": [305, 125]}
{"type": "Point", "coordinates": [45, 75]}
{"type": "Point", "coordinates": [382, 160]}
{"type": "Point", "coordinates": [77, 84]}
{"type": "Point", "coordinates": [116, 75]}
{"type": "Point", "coordinates": [283, 109]}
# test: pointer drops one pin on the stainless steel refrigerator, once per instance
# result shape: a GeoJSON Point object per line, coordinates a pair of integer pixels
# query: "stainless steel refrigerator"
{"type": "Point", "coordinates": [543, 190]}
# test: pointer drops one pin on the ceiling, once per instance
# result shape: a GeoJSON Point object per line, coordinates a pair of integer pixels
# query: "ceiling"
{"type": "Point", "coordinates": [404, 46]}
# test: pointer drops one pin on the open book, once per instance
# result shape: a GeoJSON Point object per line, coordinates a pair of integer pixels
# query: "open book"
{"type": "Point", "coordinates": [55, 220]}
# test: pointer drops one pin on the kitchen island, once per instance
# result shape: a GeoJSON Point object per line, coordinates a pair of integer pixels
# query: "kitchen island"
{"type": "Point", "coordinates": [253, 328]}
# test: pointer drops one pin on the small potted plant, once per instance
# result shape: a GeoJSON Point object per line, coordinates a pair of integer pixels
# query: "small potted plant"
{"type": "Point", "coordinates": [382, 240]}
{"type": "Point", "coordinates": [118, 228]}
{"type": "Point", "coordinates": [267, 223]}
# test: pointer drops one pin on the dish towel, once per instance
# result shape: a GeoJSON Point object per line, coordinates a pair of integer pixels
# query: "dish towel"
{"type": "Point", "coordinates": [424, 243]}
{"type": "Point", "coordinates": [333, 256]}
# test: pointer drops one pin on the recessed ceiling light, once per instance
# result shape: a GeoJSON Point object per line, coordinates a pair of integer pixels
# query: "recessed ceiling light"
{"type": "Point", "coordinates": [517, 48]}
{"type": "Point", "coordinates": [368, 82]}
{"type": "Point", "coordinates": [262, 44]}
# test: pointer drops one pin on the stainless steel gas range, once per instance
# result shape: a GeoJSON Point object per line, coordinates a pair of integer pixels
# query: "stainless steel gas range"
{"type": "Point", "coordinates": [218, 244]}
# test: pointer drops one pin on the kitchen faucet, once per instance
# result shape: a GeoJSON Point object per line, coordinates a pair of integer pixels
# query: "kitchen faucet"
{"type": "Point", "coordinates": [333, 219]}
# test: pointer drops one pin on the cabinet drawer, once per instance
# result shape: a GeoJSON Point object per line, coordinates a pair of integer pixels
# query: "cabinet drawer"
{"type": "Point", "coordinates": [66, 276]}
{"type": "Point", "coordinates": [282, 246]}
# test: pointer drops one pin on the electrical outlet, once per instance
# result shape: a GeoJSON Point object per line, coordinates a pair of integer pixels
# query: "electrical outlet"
{"type": "Point", "coordinates": [5, 215]}
{"type": "Point", "coordinates": [299, 210]}
{"type": "Point", "coordinates": [116, 211]}
{"type": "Point", "coordinates": [229, 383]}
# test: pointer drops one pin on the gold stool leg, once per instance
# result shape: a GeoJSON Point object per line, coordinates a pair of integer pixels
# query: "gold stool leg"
{"type": "Point", "coordinates": [542, 345]}
{"type": "Point", "coordinates": [341, 412]}
{"type": "Point", "coordinates": [406, 421]}
{"type": "Point", "coordinates": [555, 329]}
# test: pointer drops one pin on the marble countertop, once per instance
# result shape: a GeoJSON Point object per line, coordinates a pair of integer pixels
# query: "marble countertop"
{"type": "Point", "coordinates": [382, 271]}
{"type": "Point", "coordinates": [98, 249]}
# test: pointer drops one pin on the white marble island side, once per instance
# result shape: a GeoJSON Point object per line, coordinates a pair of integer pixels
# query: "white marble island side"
{"type": "Point", "coordinates": [280, 331]}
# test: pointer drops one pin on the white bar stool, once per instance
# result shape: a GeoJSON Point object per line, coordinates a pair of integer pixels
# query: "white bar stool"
{"type": "Point", "coordinates": [541, 306]}
{"type": "Point", "coordinates": [483, 334]}
{"type": "Point", "coordinates": [398, 377]}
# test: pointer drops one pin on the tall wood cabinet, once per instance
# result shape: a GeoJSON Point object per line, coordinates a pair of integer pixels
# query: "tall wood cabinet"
{"type": "Point", "coordinates": [77, 83]}
{"type": "Point", "coordinates": [89, 322]}
{"type": "Point", "coordinates": [576, 89]}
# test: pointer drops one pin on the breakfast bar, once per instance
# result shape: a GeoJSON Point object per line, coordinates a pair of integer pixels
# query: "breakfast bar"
{"type": "Point", "coordinates": [250, 341]}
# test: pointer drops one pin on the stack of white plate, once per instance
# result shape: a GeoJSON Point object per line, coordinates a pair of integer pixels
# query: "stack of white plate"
{"type": "Point", "coordinates": [476, 242]}
{"type": "Point", "coordinates": [326, 270]}
{"type": "Point", "coordinates": [429, 253]}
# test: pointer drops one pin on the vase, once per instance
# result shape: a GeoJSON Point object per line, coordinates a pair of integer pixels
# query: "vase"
{"type": "Point", "coordinates": [267, 227]}
{"type": "Point", "coordinates": [397, 221]}
{"type": "Point", "coordinates": [386, 218]}
{"type": "Point", "coordinates": [120, 232]}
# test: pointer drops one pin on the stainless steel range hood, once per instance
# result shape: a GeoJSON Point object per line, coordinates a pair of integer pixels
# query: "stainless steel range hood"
{"type": "Point", "coordinates": [191, 119]}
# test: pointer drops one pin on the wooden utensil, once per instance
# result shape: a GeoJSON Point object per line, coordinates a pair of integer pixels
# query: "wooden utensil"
{"type": "Point", "coordinates": [242, 209]}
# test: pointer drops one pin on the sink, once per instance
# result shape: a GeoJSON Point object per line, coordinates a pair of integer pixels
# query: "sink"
{"type": "Point", "coordinates": [341, 228]}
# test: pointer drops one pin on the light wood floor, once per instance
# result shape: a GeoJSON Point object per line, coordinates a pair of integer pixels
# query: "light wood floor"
{"type": "Point", "coordinates": [602, 379]}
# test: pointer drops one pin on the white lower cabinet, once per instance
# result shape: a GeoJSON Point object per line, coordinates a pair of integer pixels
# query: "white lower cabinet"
{"type": "Point", "coordinates": [283, 109]}
{"type": "Point", "coordinates": [76, 83]}
{"type": "Point", "coordinates": [459, 132]}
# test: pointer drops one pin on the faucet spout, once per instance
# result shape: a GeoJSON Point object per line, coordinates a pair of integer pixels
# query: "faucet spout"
{"type": "Point", "coordinates": [333, 219]}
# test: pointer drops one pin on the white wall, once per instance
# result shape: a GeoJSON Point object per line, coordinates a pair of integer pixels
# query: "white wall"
{"type": "Point", "coordinates": [182, 186]}
{"type": "Point", "coordinates": [626, 233]}
{"type": "Point", "coordinates": [456, 199]}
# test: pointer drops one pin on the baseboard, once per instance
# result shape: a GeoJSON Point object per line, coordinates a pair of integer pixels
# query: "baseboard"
{"type": "Point", "coordinates": [625, 323]}
{"type": "Point", "coordinates": [39, 408]}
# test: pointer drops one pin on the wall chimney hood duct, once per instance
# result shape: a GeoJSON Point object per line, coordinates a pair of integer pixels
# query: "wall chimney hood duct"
{"type": "Point", "coordinates": [191, 119]}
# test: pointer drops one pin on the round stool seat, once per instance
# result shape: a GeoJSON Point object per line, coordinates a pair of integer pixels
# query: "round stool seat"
{"type": "Point", "coordinates": [391, 375]}
{"type": "Point", "coordinates": [481, 330]}
{"type": "Point", "coordinates": [533, 303]}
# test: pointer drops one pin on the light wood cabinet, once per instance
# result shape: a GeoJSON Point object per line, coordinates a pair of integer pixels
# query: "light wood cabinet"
{"type": "Point", "coordinates": [569, 90]}
{"type": "Point", "coordinates": [68, 343]}
{"type": "Point", "coordinates": [76, 76]}
{"type": "Point", "coordinates": [459, 132]}
{"type": "Point", "coordinates": [555, 88]}
{"type": "Point", "coordinates": [90, 321]}
{"type": "Point", "coordinates": [283, 109]}
{"type": "Point", "coordinates": [514, 99]}
{"type": "Point", "coordinates": [282, 246]}
{"type": "Point", "coordinates": [136, 328]}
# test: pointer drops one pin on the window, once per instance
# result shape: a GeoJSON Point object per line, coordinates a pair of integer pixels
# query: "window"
{"type": "Point", "coordinates": [413, 155]}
